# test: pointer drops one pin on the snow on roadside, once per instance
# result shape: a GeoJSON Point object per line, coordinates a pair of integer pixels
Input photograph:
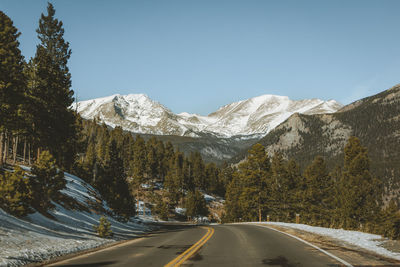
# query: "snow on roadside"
{"type": "Point", "coordinates": [36, 238]}
{"type": "Point", "coordinates": [367, 241]}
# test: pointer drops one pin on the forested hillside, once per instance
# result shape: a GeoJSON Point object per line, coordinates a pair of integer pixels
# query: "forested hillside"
{"type": "Point", "coordinates": [374, 120]}
{"type": "Point", "coordinates": [274, 188]}
{"type": "Point", "coordinates": [38, 128]}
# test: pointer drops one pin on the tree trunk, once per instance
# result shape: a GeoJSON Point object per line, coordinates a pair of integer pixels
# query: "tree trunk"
{"type": "Point", "coordinates": [1, 148]}
{"type": "Point", "coordinates": [29, 154]}
{"type": "Point", "coordinates": [38, 154]}
{"type": "Point", "coordinates": [138, 204]}
{"type": "Point", "coordinates": [259, 213]}
{"type": "Point", "coordinates": [15, 149]}
{"type": "Point", "coordinates": [6, 146]}
{"type": "Point", "coordinates": [24, 157]}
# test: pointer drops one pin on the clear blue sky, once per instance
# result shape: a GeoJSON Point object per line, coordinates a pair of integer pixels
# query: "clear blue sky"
{"type": "Point", "coordinates": [195, 56]}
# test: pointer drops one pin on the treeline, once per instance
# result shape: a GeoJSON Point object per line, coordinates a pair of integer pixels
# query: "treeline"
{"type": "Point", "coordinates": [125, 169]}
{"type": "Point", "coordinates": [38, 127]}
{"type": "Point", "coordinates": [347, 197]}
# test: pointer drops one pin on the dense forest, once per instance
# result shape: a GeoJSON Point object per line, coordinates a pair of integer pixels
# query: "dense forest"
{"type": "Point", "coordinates": [347, 196]}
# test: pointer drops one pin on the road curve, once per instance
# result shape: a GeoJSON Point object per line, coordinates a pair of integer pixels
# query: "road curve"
{"type": "Point", "coordinates": [228, 245]}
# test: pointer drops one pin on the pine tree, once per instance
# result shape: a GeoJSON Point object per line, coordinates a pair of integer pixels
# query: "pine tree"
{"type": "Point", "coordinates": [296, 188]}
{"type": "Point", "coordinates": [47, 183]}
{"type": "Point", "coordinates": [360, 192]}
{"type": "Point", "coordinates": [12, 80]}
{"type": "Point", "coordinates": [54, 122]}
{"type": "Point", "coordinates": [198, 170]}
{"type": "Point", "coordinates": [196, 205]}
{"type": "Point", "coordinates": [151, 158]}
{"type": "Point", "coordinates": [114, 186]}
{"type": "Point", "coordinates": [15, 193]}
{"type": "Point", "coordinates": [318, 196]}
{"type": "Point", "coordinates": [138, 166]}
{"type": "Point", "coordinates": [104, 228]}
{"type": "Point", "coordinates": [390, 226]}
{"type": "Point", "coordinates": [255, 173]}
{"type": "Point", "coordinates": [278, 196]}
{"type": "Point", "coordinates": [233, 211]}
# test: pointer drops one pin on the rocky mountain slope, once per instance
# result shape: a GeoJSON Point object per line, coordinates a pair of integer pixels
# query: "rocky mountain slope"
{"type": "Point", "coordinates": [218, 136]}
{"type": "Point", "coordinates": [255, 116]}
{"type": "Point", "coordinates": [375, 120]}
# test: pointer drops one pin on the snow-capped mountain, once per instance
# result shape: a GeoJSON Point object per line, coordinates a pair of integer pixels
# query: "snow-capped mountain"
{"type": "Point", "coordinates": [255, 116]}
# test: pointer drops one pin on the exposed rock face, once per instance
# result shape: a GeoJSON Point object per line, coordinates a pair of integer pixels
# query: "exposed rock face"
{"type": "Point", "coordinates": [258, 115]}
{"type": "Point", "coordinates": [217, 136]}
{"type": "Point", "coordinates": [375, 120]}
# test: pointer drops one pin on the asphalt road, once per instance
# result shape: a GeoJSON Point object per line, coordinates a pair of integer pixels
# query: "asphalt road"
{"type": "Point", "coordinates": [228, 245]}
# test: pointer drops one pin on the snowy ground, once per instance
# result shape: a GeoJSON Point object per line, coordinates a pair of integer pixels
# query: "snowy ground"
{"type": "Point", "coordinates": [37, 238]}
{"type": "Point", "coordinates": [367, 241]}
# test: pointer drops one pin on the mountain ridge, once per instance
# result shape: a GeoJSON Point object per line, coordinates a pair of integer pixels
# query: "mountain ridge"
{"type": "Point", "coordinates": [250, 117]}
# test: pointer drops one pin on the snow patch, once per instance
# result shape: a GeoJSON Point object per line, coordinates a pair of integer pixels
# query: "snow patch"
{"type": "Point", "coordinates": [36, 238]}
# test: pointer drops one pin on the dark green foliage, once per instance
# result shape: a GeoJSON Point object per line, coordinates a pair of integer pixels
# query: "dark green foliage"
{"type": "Point", "coordinates": [12, 81]}
{"type": "Point", "coordinates": [390, 226]}
{"type": "Point", "coordinates": [47, 182]}
{"type": "Point", "coordinates": [54, 122]}
{"type": "Point", "coordinates": [318, 194]}
{"type": "Point", "coordinates": [15, 193]}
{"type": "Point", "coordinates": [348, 198]}
{"type": "Point", "coordinates": [195, 205]}
{"type": "Point", "coordinates": [113, 185]}
{"type": "Point", "coordinates": [374, 120]}
{"type": "Point", "coordinates": [233, 210]}
{"type": "Point", "coordinates": [104, 228]}
{"type": "Point", "coordinates": [161, 207]}
{"type": "Point", "coordinates": [360, 191]}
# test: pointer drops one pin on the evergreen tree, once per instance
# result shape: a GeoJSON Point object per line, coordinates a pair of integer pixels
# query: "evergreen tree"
{"type": "Point", "coordinates": [54, 122]}
{"type": "Point", "coordinates": [233, 210]}
{"type": "Point", "coordinates": [15, 193]}
{"type": "Point", "coordinates": [296, 186]}
{"type": "Point", "coordinates": [161, 207]}
{"type": "Point", "coordinates": [47, 183]}
{"type": "Point", "coordinates": [114, 186]}
{"type": "Point", "coordinates": [174, 181]}
{"type": "Point", "coordinates": [198, 170]}
{"type": "Point", "coordinates": [318, 196]}
{"type": "Point", "coordinates": [196, 205]}
{"type": "Point", "coordinates": [12, 80]}
{"type": "Point", "coordinates": [152, 160]}
{"type": "Point", "coordinates": [138, 166]}
{"type": "Point", "coordinates": [360, 191]}
{"type": "Point", "coordinates": [278, 197]}
{"type": "Point", "coordinates": [104, 228]}
{"type": "Point", "coordinates": [390, 226]}
{"type": "Point", "coordinates": [255, 173]}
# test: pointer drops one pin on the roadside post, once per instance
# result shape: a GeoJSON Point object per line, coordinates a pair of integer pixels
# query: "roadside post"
{"type": "Point", "coordinates": [297, 218]}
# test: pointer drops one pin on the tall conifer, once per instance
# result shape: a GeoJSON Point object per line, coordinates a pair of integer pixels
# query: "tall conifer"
{"type": "Point", "coordinates": [54, 121]}
{"type": "Point", "coordinates": [12, 80]}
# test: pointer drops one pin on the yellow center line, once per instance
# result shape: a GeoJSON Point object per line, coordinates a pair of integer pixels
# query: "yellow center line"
{"type": "Point", "coordinates": [190, 251]}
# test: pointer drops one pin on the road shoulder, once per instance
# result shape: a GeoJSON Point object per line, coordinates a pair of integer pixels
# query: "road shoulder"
{"type": "Point", "coordinates": [350, 253]}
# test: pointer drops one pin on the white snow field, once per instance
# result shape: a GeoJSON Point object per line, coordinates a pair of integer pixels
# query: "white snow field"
{"type": "Point", "coordinates": [36, 238]}
{"type": "Point", "coordinates": [366, 241]}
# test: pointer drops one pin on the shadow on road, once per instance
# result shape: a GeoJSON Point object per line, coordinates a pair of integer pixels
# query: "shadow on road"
{"type": "Point", "coordinates": [103, 263]}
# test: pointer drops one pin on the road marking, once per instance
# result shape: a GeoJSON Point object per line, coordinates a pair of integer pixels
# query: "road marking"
{"type": "Point", "coordinates": [193, 249]}
{"type": "Point", "coordinates": [314, 246]}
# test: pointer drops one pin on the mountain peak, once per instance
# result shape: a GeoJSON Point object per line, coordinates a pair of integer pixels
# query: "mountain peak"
{"type": "Point", "coordinates": [255, 116]}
